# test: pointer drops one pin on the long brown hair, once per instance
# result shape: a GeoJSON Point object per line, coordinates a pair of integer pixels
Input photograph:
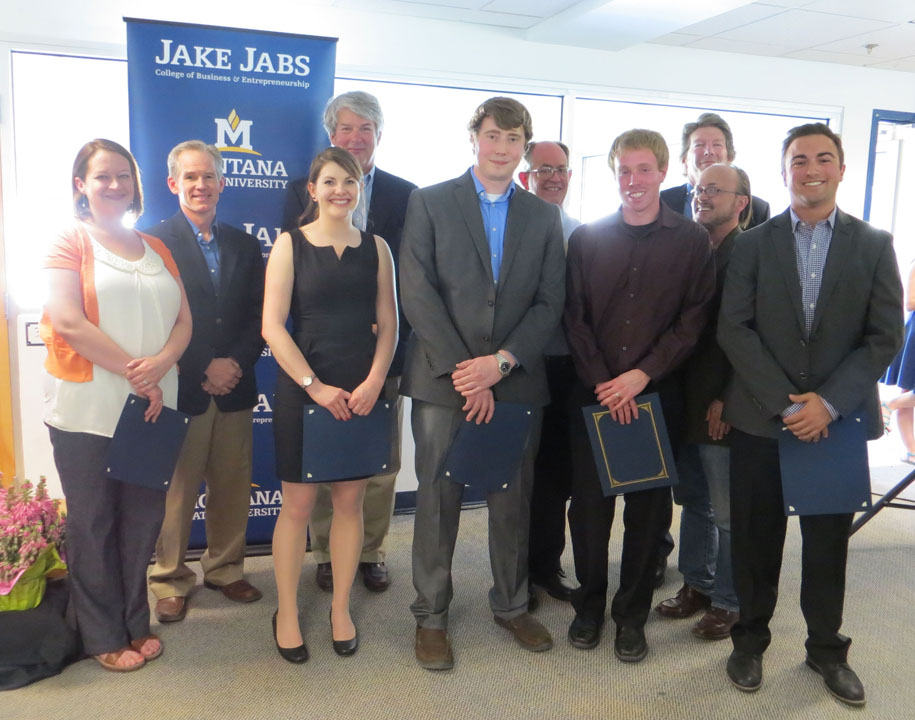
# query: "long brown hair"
{"type": "Point", "coordinates": [344, 159]}
{"type": "Point", "coordinates": [81, 167]}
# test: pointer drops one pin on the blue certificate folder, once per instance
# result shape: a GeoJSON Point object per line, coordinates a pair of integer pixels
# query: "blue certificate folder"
{"type": "Point", "coordinates": [345, 449]}
{"type": "Point", "coordinates": [829, 476]}
{"type": "Point", "coordinates": [145, 453]}
{"type": "Point", "coordinates": [488, 456]}
{"type": "Point", "coordinates": [631, 457]}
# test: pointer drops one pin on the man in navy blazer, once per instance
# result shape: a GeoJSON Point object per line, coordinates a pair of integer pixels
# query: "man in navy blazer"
{"type": "Point", "coordinates": [354, 122]}
{"type": "Point", "coordinates": [223, 273]}
{"type": "Point", "coordinates": [704, 143]}
{"type": "Point", "coordinates": [811, 316]}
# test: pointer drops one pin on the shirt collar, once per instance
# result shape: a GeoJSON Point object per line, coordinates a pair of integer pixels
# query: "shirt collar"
{"type": "Point", "coordinates": [196, 230]}
{"type": "Point", "coordinates": [831, 219]}
{"type": "Point", "coordinates": [481, 191]}
{"type": "Point", "coordinates": [369, 177]}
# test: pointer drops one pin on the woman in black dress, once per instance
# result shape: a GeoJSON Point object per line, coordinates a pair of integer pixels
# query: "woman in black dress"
{"type": "Point", "coordinates": [337, 283]}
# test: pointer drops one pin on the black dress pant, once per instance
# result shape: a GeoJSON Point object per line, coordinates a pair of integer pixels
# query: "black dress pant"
{"type": "Point", "coordinates": [591, 519]}
{"type": "Point", "coordinates": [552, 472]}
{"type": "Point", "coordinates": [758, 526]}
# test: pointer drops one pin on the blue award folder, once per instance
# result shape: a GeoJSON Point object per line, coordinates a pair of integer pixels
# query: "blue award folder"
{"type": "Point", "coordinates": [631, 457]}
{"type": "Point", "coordinates": [829, 476]}
{"type": "Point", "coordinates": [345, 449]}
{"type": "Point", "coordinates": [145, 453]}
{"type": "Point", "coordinates": [488, 456]}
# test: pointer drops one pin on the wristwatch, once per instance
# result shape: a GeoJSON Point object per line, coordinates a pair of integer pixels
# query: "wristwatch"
{"type": "Point", "coordinates": [505, 365]}
{"type": "Point", "coordinates": [307, 381]}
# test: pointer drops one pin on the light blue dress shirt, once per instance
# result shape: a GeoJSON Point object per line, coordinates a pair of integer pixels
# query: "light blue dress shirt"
{"type": "Point", "coordinates": [495, 214]}
{"type": "Point", "coordinates": [209, 249]}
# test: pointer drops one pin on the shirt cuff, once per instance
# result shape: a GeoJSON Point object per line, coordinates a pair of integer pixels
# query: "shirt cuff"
{"type": "Point", "coordinates": [795, 407]}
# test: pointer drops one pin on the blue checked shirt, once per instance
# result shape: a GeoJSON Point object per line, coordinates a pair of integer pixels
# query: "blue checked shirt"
{"type": "Point", "coordinates": [209, 249]}
{"type": "Point", "coordinates": [811, 246]}
{"type": "Point", "coordinates": [495, 214]}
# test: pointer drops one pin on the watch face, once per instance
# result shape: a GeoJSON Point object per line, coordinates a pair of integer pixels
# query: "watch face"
{"type": "Point", "coordinates": [505, 367]}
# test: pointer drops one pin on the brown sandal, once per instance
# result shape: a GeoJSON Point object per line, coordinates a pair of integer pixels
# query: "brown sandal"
{"type": "Point", "coordinates": [138, 643]}
{"type": "Point", "coordinates": [109, 661]}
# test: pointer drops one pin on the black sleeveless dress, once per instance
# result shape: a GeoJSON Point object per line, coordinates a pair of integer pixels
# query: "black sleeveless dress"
{"type": "Point", "coordinates": [332, 311]}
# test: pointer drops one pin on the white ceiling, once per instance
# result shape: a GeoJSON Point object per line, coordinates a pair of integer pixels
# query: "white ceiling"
{"type": "Point", "coordinates": [837, 31]}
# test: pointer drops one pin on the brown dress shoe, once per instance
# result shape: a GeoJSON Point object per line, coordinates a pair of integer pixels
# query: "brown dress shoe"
{"type": "Point", "coordinates": [433, 651]}
{"type": "Point", "coordinates": [686, 602]}
{"type": "Point", "coordinates": [528, 631]}
{"type": "Point", "coordinates": [240, 591]}
{"type": "Point", "coordinates": [375, 576]}
{"type": "Point", "coordinates": [716, 624]}
{"type": "Point", "coordinates": [171, 609]}
{"type": "Point", "coordinates": [324, 576]}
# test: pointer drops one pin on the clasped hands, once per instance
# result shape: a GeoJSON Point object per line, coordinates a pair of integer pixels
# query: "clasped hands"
{"type": "Point", "coordinates": [473, 379]}
{"type": "Point", "coordinates": [810, 423]}
{"type": "Point", "coordinates": [342, 404]}
{"type": "Point", "coordinates": [618, 394]}
{"type": "Point", "coordinates": [144, 375]}
{"type": "Point", "coordinates": [222, 375]}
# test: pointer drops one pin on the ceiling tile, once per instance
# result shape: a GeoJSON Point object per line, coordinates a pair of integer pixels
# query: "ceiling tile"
{"type": "Point", "coordinates": [537, 8]}
{"type": "Point", "coordinates": [893, 42]}
{"type": "Point", "coordinates": [733, 19]}
{"type": "Point", "coordinates": [801, 28]}
{"type": "Point", "coordinates": [675, 39]}
{"type": "Point", "coordinates": [907, 64]}
{"type": "Point", "coordinates": [740, 46]}
{"type": "Point", "coordinates": [786, 3]}
{"type": "Point", "coordinates": [894, 11]}
{"type": "Point", "coordinates": [830, 57]}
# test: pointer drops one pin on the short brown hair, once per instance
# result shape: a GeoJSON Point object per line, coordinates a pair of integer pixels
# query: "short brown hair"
{"type": "Point", "coordinates": [507, 114]}
{"type": "Point", "coordinates": [708, 119]}
{"type": "Point", "coordinates": [81, 167]}
{"type": "Point", "coordinates": [812, 129]}
{"type": "Point", "coordinates": [343, 158]}
{"type": "Point", "coordinates": [199, 146]}
{"type": "Point", "coordinates": [639, 139]}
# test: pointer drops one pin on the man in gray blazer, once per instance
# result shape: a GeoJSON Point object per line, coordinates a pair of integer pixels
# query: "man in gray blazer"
{"type": "Point", "coordinates": [810, 317]}
{"type": "Point", "coordinates": [482, 282]}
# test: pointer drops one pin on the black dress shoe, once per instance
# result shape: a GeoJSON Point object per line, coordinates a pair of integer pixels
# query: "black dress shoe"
{"type": "Point", "coordinates": [554, 585]}
{"type": "Point", "coordinates": [584, 633]}
{"type": "Point", "coordinates": [296, 655]}
{"type": "Point", "coordinates": [324, 576]}
{"type": "Point", "coordinates": [375, 576]}
{"type": "Point", "coordinates": [840, 680]}
{"type": "Point", "coordinates": [630, 644]}
{"type": "Point", "coordinates": [745, 671]}
{"type": "Point", "coordinates": [343, 648]}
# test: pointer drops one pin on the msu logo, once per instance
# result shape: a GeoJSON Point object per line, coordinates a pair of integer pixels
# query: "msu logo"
{"type": "Point", "coordinates": [234, 134]}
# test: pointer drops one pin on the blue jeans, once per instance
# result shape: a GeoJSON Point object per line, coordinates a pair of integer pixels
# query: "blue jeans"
{"type": "Point", "coordinates": [705, 522]}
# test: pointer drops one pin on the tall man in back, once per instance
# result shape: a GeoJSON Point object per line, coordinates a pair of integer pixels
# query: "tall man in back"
{"type": "Point", "coordinates": [547, 176]}
{"type": "Point", "coordinates": [639, 283]}
{"type": "Point", "coordinates": [354, 122]}
{"type": "Point", "coordinates": [223, 273]}
{"type": "Point", "coordinates": [810, 318]}
{"type": "Point", "coordinates": [482, 278]}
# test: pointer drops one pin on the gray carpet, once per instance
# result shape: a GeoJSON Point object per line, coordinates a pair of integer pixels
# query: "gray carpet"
{"type": "Point", "coordinates": [221, 663]}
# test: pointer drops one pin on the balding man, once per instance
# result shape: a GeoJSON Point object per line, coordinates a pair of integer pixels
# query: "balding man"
{"type": "Point", "coordinates": [547, 176]}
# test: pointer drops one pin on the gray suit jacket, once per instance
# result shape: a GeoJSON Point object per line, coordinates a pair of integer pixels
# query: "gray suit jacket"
{"type": "Point", "coordinates": [857, 326]}
{"type": "Point", "coordinates": [452, 303]}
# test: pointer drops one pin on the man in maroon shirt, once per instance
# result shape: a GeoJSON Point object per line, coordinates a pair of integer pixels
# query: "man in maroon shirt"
{"type": "Point", "coordinates": [638, 287]}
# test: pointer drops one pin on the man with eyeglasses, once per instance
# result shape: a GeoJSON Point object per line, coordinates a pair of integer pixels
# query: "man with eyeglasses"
{"type": "Point", "coordinates": [547, 177]}
{"type": "Point", "coordinates": [637, 292]}
{"type": "Point", "coordinates": [721, 200]}
{"type": "Point", "coordinates": [811, 315]}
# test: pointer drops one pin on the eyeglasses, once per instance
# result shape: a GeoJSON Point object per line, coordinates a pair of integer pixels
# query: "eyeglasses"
{"type": "Point", "coordinates": [710, 191]}
{"type": "Point", "coordinates": [546, 171]}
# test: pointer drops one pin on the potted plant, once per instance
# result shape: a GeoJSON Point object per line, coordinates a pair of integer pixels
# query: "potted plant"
{"type": "Point", "coordinates": [31, 533]}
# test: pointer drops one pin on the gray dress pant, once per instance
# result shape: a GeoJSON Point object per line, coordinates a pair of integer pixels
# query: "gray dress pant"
{"type": "Point", "coordinates": [438, 508]}
{"type": "Point", "coordinates": [111, 532]}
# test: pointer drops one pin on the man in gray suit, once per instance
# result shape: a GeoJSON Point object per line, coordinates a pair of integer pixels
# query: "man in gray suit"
{"type": "Point", "coordinates": [810, 317]}
{"type": "Point", "coordinates": [482, 282]}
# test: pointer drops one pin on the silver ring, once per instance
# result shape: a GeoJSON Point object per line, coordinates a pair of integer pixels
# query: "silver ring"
{"type": "Point", "coordinates": [616, 395]}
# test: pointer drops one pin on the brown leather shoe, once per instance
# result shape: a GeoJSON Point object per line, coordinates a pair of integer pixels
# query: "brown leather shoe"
{"type": "Point", "coordinates": [240, 591]}
{"type": "Point", "coordinates": [716, 624]}
{"type": "Point", "coordinates": [324, 577]}
{"type": "Point", "coordinates": [171, 609]}
{"type": "Point", "coordinates": [375, 576]}
{"type": "Point", "coordinates": [433, 651]}
{"type": "Point", "coordinates": [528, 631]}
{"type": "Point", "coordinates": [686, 602]}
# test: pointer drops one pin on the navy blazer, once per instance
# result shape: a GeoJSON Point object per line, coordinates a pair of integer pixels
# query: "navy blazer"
{"type": "Point", "coordinates": [387, 212]}
{"type": "Point", "coordinates": [857, 325]}
{"type": "Point", "coordinates": [227, 324]}
{"type": "Point", "coordinates": [675, 198]}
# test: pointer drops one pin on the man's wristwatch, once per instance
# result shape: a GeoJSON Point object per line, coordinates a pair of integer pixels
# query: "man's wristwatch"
{"type": "Point", "coordinates": [307, 381]}
{"type": "Point", "coordinates": [505, 365]}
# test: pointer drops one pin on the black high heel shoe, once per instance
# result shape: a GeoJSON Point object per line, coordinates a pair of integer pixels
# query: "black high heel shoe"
{"type": "Point", "coordinates": [343, 648]}
{"type": "Point", "coordinates": [296, 655]}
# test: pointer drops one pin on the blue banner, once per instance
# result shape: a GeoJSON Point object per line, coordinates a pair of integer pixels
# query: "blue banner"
{"type": "Point", "coordinates": [259, 97]}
